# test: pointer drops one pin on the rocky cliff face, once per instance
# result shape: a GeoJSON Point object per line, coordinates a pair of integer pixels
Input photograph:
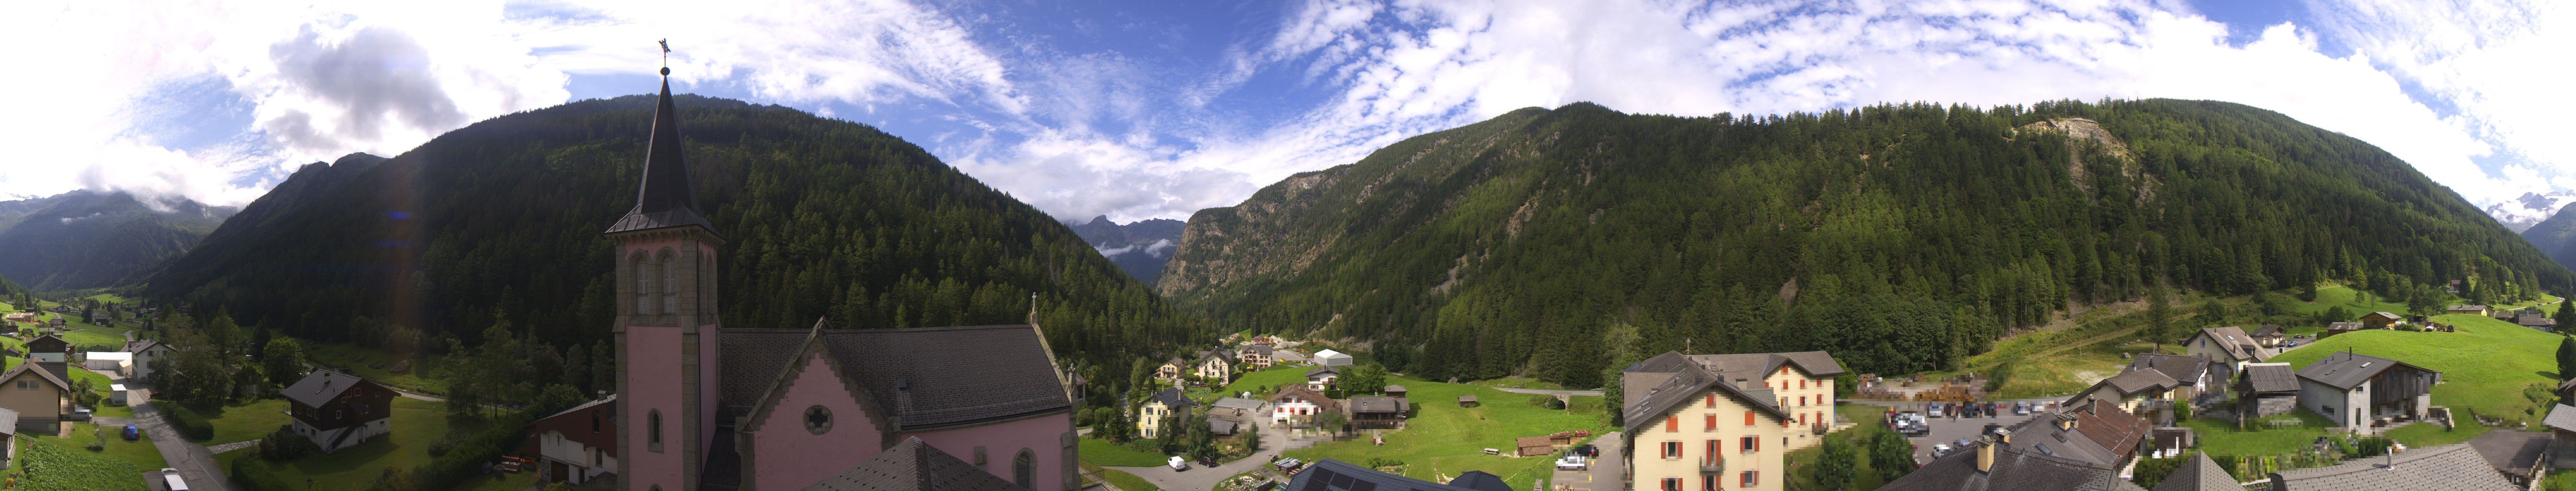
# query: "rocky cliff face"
{"type": "Point", "coordinates": [1138, 248]}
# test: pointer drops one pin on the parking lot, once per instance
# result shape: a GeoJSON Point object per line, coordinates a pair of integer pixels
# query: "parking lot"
{"type": "Point", "coordinates": [1602, 475]}
{"type": "Point", "coordinates": [1948, 430]}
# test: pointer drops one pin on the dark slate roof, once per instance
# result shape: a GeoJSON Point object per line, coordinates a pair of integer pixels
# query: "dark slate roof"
{"type": "Point", "coordinates": [2271, 377]}
{"type": "Point", "coordinates": [141, 345]}
{"type": "Point", "coordinates": [31, 344]}
{"type": "Point", "coordinates": [1174, 399]}
{"type": "Point", "coordinates": [1217, 353]}
{"type": "Point", "coordinates": [2449, 468]}
{"type": "Point", "coordinates": [1375, 404]}
{"type": "Point", "coordinates": [320, 387]}
{"type": "Point", "coordinates": [2343, 370]}
{"type": "Point", "coordinates": [2234, 342]}
{"type": "Point", "coordinates": [928, 377]}
{"type": "Point", "coordinates": [1816, 363]}
{"type": "Point", "coordinates": [914, 466]}
{"type": "Point", "coordinates": [2561, 417]}
{"type": "Point", "coordinates": [8, 421]}
{"type": "Point", "coordinates": [1336, 371]}
{"type": "Point", "coordinates": [2343, 326]}
{"type": "Point", "coordinates": [2465, 308]}
{"type": "Point", "coordinates": [2534, 320]}
{"type": "Point", "coordinates": [2269, 330]}
{"type": "Point", "coordinates": [1480, 481]}
{"type": "Point", "coordinates": [1335, 475]}
{"type": "Point", "coordinates": [2200, 474]}
{"type": "Point", "coordinates": [1309, 395]}
{"type": "Point", "coordinates": [1237, 403]}
{"type": "Point", "coordinates": [1682, 387]}
{"type": "Point", "coordinates": [2041, 456]}
{"type": "Point", "coordinates": [1259, 348]}
{"type": "Point", "coordinates": [666, 198]}
{"type": "Point", "coordinates": [2384, 315]}
{"type": "Point", "coordinates": [2141, 381]}
{"type": "Point", "coordinates": [2511, 452]}
{"type": "Point", "coordinates": [2182, 369]}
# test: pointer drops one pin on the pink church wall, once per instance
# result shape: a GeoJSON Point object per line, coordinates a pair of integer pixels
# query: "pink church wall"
{"type": "Point", "coordinates": [650, 366]}
{"type": "Point", "coordinates": [1043, 436]}
{"type": "Point", "coordinates": [789, 457]}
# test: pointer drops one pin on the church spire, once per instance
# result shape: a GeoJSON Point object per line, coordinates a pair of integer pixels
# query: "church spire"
{"type": "Point", "coordinates": [666, 198]}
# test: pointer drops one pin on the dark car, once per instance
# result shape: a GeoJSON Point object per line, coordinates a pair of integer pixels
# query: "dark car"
{"type": "Point", "coordinates": [132, 433]}
{"type": "Point", "coordinates": [1588, 451]}
{"type": "Point", "coordinates": [1206, 461]}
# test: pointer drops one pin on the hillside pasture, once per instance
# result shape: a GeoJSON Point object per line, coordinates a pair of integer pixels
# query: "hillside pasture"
{"type": "Point", "coordinates": [2486, 366]}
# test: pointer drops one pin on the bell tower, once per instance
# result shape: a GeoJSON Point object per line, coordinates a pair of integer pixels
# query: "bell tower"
{"type": "Point", "coordinates": [666, 319]}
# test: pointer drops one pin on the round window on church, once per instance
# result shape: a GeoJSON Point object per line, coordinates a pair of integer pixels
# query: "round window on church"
{"type": "Point", "coordinates": [818, 419]}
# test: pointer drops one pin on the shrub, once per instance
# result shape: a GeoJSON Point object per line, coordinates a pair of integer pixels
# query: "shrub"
{"type": "Point", "coordinates": [284, 444]}
{"type": "Point", "coordinates": [467, 458]}
{"type": "Point", "coordinates": [253, 476]}
{"type": "Point", "coordinates": [189, 424]}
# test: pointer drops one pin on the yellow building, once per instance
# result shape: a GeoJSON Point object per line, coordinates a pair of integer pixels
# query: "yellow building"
{"type": "Point", "coordinates": [1168, 403]}
{"type": "Point", "coordinates": [1723, 422]}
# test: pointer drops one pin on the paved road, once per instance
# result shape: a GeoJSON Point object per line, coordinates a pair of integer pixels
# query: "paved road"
{"type": "Point", "coordinates": [1945, 429]}
{"type": "Point", "coordinates": [1551, 392]}
{"type": "Point", "coordinates": [1604, 474]}
{"type": "Point", "coordinates": [194, 462]}
{"type": "Point", "coordinates": [1201, 478]}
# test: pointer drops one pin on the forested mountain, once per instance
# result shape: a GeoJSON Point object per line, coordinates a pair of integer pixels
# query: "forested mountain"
{"type": "Point", "coordinates": [1138, 247]}
{"type": "Point", "coordinates": [90, 239]}
{"type": "Point", "coordinates": [501, 221]}
{"type": "Point", "coordinates": [2555, 236]}
{"type": "Point", "coordinates": [1902, 237]}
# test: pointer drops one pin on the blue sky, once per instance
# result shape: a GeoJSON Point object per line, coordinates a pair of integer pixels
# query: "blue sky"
{"type": "Point", "coordinates": [1156, 109]}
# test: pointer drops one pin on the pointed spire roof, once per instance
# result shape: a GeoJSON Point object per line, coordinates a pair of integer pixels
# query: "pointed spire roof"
{"type": "Point", "coordinates": [667, 198]}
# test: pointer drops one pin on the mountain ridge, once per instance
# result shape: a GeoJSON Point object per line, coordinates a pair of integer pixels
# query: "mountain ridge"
{"type": "Point", "coordinates": [1138, 247]}
{"type": "Point", "coordinates": [91, 239]}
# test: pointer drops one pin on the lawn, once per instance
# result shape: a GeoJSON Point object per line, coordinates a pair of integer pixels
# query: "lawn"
{"type": "Point", "coordinates": [1256, 382]}
{"type": "Point", "coordinates": [374, 364]}
{"type": "Point", "coordinates": [1102, 452]}
{"type": "Point", "coordinates": [2349, 299]}
{"type": "Point", "coordinates": [2486, 366]}
{"type": "Point", "coordinates": [1443, 439]}
{"type": "Point", "coordinates": [1120, 479]}
{"type": "Point", "coordinates": [2429, 435]}
{"type": "Point", "coordinates": [61, 466]}
{"type": "Point", "coordinates": [258, 419]}
{"type": "Point", "coordinates": [1864, 477]}
{"type": "Point", "coordinates": [2220, 437]}
{"type": "Point", "coordinates": [507, 481]}
{"type": "Point", "coordinates": [141, 453]}
{"type": "Point", "coordinates": [416, 423]}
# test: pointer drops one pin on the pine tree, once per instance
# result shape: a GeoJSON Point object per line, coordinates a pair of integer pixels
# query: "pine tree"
{"type": "Point", "coordinates": [2566, 357]}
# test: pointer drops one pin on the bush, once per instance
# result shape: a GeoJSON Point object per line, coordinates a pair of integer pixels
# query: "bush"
{"type": "Point", "coordinates": [253, 476]}
{"type": "Point", "coordinates": [467, 457]}
{"type": "Point", "coordinates": [284, 444]}
{"type": "Point", "coordinates": [189, 424]}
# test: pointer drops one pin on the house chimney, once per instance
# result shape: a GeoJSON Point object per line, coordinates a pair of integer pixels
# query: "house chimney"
{"type": "Point", "coordinates": [1985, 453]}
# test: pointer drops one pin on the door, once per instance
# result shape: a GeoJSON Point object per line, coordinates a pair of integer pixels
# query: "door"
{"type": "Point", "coordinates": [558, 472]}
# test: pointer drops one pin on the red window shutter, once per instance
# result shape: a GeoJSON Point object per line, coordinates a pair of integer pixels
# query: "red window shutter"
{"type": "Point", "coordinates": [1712, 399]}
{"type": "Point", "coordinates": [1673, 423]}
{"type": "Point", "coordinates": [1712, 422]}
{"type": "Point", "coordinates": [1802, 419]}
{"type": "Point", "coordinates": [1713, 451]}
{"type": "Point", "coordinates": [1748, 418]}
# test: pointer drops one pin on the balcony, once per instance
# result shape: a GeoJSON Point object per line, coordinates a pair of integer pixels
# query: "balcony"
{"type": "Point", "coordinates": [1712, 465]}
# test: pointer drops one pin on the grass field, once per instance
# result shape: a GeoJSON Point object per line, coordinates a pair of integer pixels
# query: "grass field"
{"type": "Point", "coordinates": [2486, 366]}
{"type": "Point", "coordinates": [258, 419]}
{"type": "Point", "coordinates": [1122, 480]}
{"type": "Point", "coordinates": [1254, 382]}
{"type": "Point", "coordinates": [507, 481]}
{"type": "Point", "coordinates": [2220, 437]}
{"type": "Point", "coordinates": [1102, 452]}
{"type": "Point", "coordinates": [2428, 435]}
{"type": "Point", "coordinates": [416, 423]}
{"type": "Point", "coordinates": [2349, 299]}
{"type": "Point", "coordinates": [141, 453]}
{"type": "Point", "coordinates": [375, 365]}
{"type": "Point", "coordinates": [63, 466]}
{"type": "Point", "coordinates": [1443, 439]}
{"type": "Point", "coordinates": [1864, 477]}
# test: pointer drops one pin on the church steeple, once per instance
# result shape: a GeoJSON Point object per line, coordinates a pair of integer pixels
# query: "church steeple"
{"type": "Point", "coordinates": [667, 198]}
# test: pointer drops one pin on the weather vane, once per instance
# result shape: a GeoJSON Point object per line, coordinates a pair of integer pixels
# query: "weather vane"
{"type": "Point", "coordinates": [666, 56]}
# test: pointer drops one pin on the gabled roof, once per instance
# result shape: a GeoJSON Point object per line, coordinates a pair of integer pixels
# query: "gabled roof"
{"type": "Point", "coordinates": [2200, 474]}
{"type": "Point", "coordinates": [2343, 370]}
{"type": "Point", "coordinates": [2184, 370]}
{"type": "Point", "coordinates": [2449, 468]}
{"type": "Point", "coordinates": [1377, 404]}
{"type": "Point", "coordinates": [2534, 320]}
{"type": "Point", "coordinates": [1336, 371]}
{"type": "Point", "coordinates": [1480, 481]}
{"type": "Point", "coordinates": [321, 386]}
{"type": "Point", "coordinates": [56, 373]}
{"type": "Point", "coordinates": [2232, 341]}
{"type": "Point", "coordinates": [2129, 384]}
{"type": "Point", "coordinates": [2562, 417]}
{"type": "Point", "coordinates": [1236, 403]}
{"type": "Point", "coordinates": [1261, 348]}
{"type": "Point", "coordinates": [2343, 326]}
{"type": "Point", "coordinates": [1226, 355]}
{"type": "Point", "coordinates": [31, 343]}
{"type": "Point", "coordinates": [2511, 452]}
{"type": "Point", "coordinates": [1173, 398]}
{"type": "Point", "coordinates": [666, 198]}
{"type": "Point", "coordinates": [587, 405]}
{"type": "Point", "coordinates": [1309, 395]}
{"type": "Point", "coordinates": [2269, 330]}
{"type": "Point", "coordinates": [1329, 353]}
{"type": "Point", "coordinates": [930, 377]}
{"type": "Point", "coordinates": [2271, 377]}
{"type": "Point", "coordinates": [1335, 475]}
{"type": "Point", "coordinates": [1686, 386]}
{"type": "Point", "coordinates": [914, 466]}
{"type": "Point", "coordinates": [139, 346]}
{"type": "Point", "coordinates": [2466, 308]}
{"type": "Point", "coordinates": [2383, 315]}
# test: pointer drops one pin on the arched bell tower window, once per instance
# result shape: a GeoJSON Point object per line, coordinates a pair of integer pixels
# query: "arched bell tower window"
{"type": "Point", "coordinates": [643, 284]}
{"type": "Point", "coordinates": [670, 283]}
{"type": "Point", "coordinates": [1024, 469]}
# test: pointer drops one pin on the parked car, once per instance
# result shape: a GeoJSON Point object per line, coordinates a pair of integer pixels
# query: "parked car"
{"type": "Point", "coordinates": [1179, 464]}
{"type": "Point", "coordinates": [132, 433]}
{"type": "Point", "coordinates": [1940, 449]}
{"type": "Point", "coordinates": [170, 476]}
{"type": "Point", "coordinates": [1588, 451]}
{"type": "Point", "coordinates": [1935, 410]}
{"type": "Point", "coordinates": [2021, 409]}
{"type": "Point", "coordinates": [1206, 461]}
{"type": "Point", "coordinates": [1571, 463]}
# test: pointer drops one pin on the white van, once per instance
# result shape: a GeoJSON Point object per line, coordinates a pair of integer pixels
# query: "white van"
{"type": "Point", "coordinates": [171, 476]}
{"type": "Point", "coordinates": [1180, 464]}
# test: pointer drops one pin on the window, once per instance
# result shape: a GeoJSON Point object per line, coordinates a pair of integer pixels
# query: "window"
{"type": "Point", "coordinates": [1802, 383]}
{"type": "Point", "coordinates": [1802, 419]}
{"type": "Point", "coordinates": [670, 284]}
{"type": "Point", "coordinates": [1712, 453]}
{"type": "Point", "coordinates": [818, 419]}
{"type": "Point", "coordinates": [1750, 445]}
{"type": "Point", "coordinates": [1672, 450]}
{"type": "Point", "coordinates": [1802, 400]}
{"type": "Point", "coordinates": [653, 427]}
{"type": "Point", "coordinates": [1748, 418]}
{"type": "Point", "coordinates": [1750, 477]}
{"type": "Point", "coordinates": [1712, 422]}
{"type": "Point", "coordinates": [594, 421]}
{"type": "Point", "coordinates": [1672, 424]}
{"type": "Point", "coordinates": [643, 285]}
{"type": "Point", "coordinates": [1672, 484]}
{"type": "Point", "coordinates": [1712, 399]}
{"type": "Point", "coordinates": [1707, 483]}
{"type": "Point", "coordinates": [1024, 469]}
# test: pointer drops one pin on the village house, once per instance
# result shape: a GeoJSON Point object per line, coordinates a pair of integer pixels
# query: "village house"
{"type": "Point", "coordinates": [2228, 348]}
{"type": "Point", "coordinates": [2536, 321]}
{"type": "Point", "coordinates": [1298, 405]}
{"type": "Point", "coordinates": [2358, 391]}
{"type": "Point", "coordinates": [1395, 391]}
{"type": "Point", "coordinates": [1230, 414]}
{"type": "Point", "coordinates": [2075, 447]}
{"type": "Point", "coordinates": [706, 407]}
{"type": "Point", "coordinates": [337, 410]}
{"type": "Point", "coordinates": [1172, 369]}
{"type": "Point", "coordinates": [1722, 421]}
{"type": "Point", "coordinates": [1332, 358]}
{"type": "Point", "coordinates": [2266, 389]}
{"type": "Point", "coordinates": [1255, 356]}
{"type": "Point", "coordinates": [2334, 328]}
{"type": "Point", "coordinates": [2447, 468]}
{"type": "Point", "coordinates": [1217, 366]}
{"type": "Point", "coordinates": [1335, 475]}
{"type": "Point", "coordinates": [48, 348]}
{"type": "Point", "coordinates": [2270, 335]}
{"type": "Point", "coordinates": [2200, 474]}
{"type": "Point", "coordinates": [111, 362]}
{"type": "Point", "coordinates": [1378, 412]}
{"type": "Point", "coordinates": [2562, 430]}
{"type": "Point", "coordinates": [146, 354]}
{"type": "Point", "coordinates": [1168, 403]}
{"type": "Point", "coordinates": [8, 438]}
{"type": "Point", "coordinates": [2520, 456]}
{"type": "Point", "coordinates": [2381, 320]}
{"type": "Point", "coordinates": [2142, 392]}
{"type": "Point", "coordinates": [575, 445]}
{"type": "Point", "coordinates": [2476, 310]}
{"type": "Point", "coordinates": [35, 392]}
{"type": "Point", "coordinates": [1322, 378]}
{"type": "Point", "coordinates": [2197, 382]}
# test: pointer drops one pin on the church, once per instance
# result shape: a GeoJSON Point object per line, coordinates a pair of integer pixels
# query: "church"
{"type": "Point", "coordinates": [701, 406]}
